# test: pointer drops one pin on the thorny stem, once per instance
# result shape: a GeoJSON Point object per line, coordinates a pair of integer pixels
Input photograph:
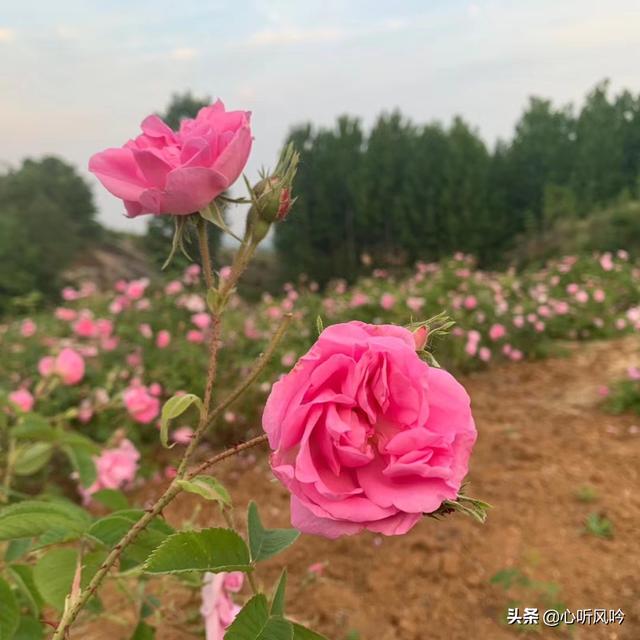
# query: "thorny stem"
{"type": "Point", "coordinates": [203, 242]}
{"type": "Point", "coordinates": [71, 613]}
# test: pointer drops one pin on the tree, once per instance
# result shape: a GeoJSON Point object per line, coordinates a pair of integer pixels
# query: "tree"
{"type": "Point", "coordinates": [47, 216]}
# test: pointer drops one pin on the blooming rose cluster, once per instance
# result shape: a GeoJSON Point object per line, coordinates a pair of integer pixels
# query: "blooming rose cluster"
{"type": "Point", "coordinates": [115, 468]}
{"type": "Point", "coordinates": [365, 435]}
{"type": "Point", "coordinates": [68, 365]}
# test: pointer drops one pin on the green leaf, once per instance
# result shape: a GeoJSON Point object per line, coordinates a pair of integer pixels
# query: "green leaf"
{"type": "Point", "coordinates": [82, 462]}
{"type": "Point", "coordinates": [144, 632]}
{"type": "Point", "coordinates": [302, 633]}
{"type": "Point", "coordinates": [17, 548]}
{"type": "Point", "coordinates": [23, 578]}
{"type": "Point", "coordinates": [207, 550]}
{"type": "Point", "coordinates": [110, 530]}
{"type": "Point", "coordinates": [53, 575]}
{"type": "Point", "coordinates": [9, 612]}
{"type": "Point", "coordinates": [112, 499]}
{"type": "Point", "coordinates": [34, 517]}
{"type": "Point", "coordinates": [277, 602]}
{"type": "Point", "coordinates": [254, 623]}
{"type": "Point", "coordinates": [207, 487]}
{"type": "Point", "coordinates": [319, 324]}
{"type": "Point", "coordinates": [31, 458]}
{"type": "Point", "coordinates": [34, 427]}
{"type": "Point", "coordinates": [174, 407]}
{"type": "Point", "coordinates": [28, 629]}
{"type": "Point", "coordinates": [266, 543]}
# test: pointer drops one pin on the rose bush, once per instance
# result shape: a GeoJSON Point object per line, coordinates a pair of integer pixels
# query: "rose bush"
{"type": "Point", "coordinates": [177, 172]}
{"type": "Point", "coordinates": [365, 434]}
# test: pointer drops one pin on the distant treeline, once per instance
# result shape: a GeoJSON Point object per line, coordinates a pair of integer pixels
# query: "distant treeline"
{"type": "Point", "coordinates": [404, 191]}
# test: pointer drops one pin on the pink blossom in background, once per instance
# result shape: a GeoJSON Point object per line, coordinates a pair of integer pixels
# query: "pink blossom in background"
{"type": "Point", "coordinates": [28, 328]}
{"type": "Point", "coordinates": [359, 299]}
{"type": "Point", "coordinates": [603, 391]}
{"type": "Point", "coordinates": [173, 288]}
{"type": "Point", "coordinates": [484, 354]}
{"type": "Point", "coordinates": [85, 411]}
{"type": "Point", "coordinates": [68, 364]}
{"type": "Point", "coordinates": [518, 321]}
{"type": "Point", "coordinates": [516, 355]}
{"type": "Point", "coordinates": [599, 295]}
{"type": "Point", "coordinates": [22, 399]}
{"type": "Point", "coordinates": [134, 359]}
{"type": "Point", "coordinates": [288, 359]}
{"type": "Point", "coordinates": [250, 330]}
{"type": "Point", "coordinates": [365, 435]}
{"type": "Point", "coordinates": [145, 330]}
{"type": "Point", "coordinates": [225, 272]}
{"type": "Point", "coordinates": [387, 301]}
{"type": "Point", "coordinates": [316, 569]}
{"type": "Point", "coordinates": [582, 296]}
{"type": "Point", "coordinates": [163, 339]}
{"type": "Point", "coordinates": [84, 327]}
{"type": "Point", "coordinates": [415, 304]}
{"type": "Point", "coordinates": [136, 288]}
{"type": "Point", "coordinates": [497, 331]}
{"type": "Point", "coordinates": [606, 261]}
{"type": "Point", "coordinates": [201, 320]}
{"type": "Point", "coordinates": [218, 609]}
{"type": "Point", "coordinates": [182, 435]}
{"type": "Point", "coordinates": [572, 289]}
{"type": "Point", "coordinates": [177, 172]}
{"type": "Point", "coordinates": [195, 337]}
{"type": "Point", "coordinates": [633, 373]}
{"type": "Point", "coordinates": [115, 468]}
{"type": "Point", "coordinates": [142, 406]}
{"type": "Point", "coordinates": [65, 314]}
{"type": "Point", "coordinates": [155, 389]}
{"type": "Point", "coordinates": [192, 274]}
{"type": "Point", "coordinates": [470, 303]}
{"type": "Point", "coordinates": [230, 417]}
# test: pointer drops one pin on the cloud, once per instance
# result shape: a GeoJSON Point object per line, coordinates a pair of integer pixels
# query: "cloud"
{"type": "Point", "coordinates": [620, 29]}
{"type": "Point", "coordinates": [295, 35]}
{"type": "Point", "coordinates": [7, 35]}
{"type": "Point", "coordinates": [183, 53]}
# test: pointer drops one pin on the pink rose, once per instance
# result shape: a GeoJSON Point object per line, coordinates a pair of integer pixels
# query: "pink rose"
{"type": "Point", "coordinates": [68, 364]}
{"type": "Point", "coordinates": [177, 172]}
{"type": "Point", "coordinates": [163, 339]}
{"type": "Point", "coordinates": [115, 468]}
{"type": "Point", "coordinates": [365, 434]}
{"type": "Point", "coordinates": [387, 301]}
{"type": "Point", "coordinates": [22, 399]}
{"type": "Point", "coordinates": [218, 609]}
{"type": "Point", "coordinates": [28, 328]}
{"type": "Point", "coordinates": [497, 331]}
{"type": "Point", "coordinates": [141, 405]}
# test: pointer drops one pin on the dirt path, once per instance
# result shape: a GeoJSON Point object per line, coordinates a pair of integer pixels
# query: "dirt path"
{"type": "Point", "coordinates": [546, 459]}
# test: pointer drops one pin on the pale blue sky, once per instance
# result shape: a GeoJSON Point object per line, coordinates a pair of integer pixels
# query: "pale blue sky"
{"type": "Point", "coordinates": [77, 76]}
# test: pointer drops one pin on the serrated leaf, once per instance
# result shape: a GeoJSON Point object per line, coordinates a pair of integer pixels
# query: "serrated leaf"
{"type": "Point", "coordinates": [9, 612]}
{"type": "Point", "coordinates": [266, 543]}
{"type": "Point", "coordinates": [28, 629]}
{"type": "Point", "coordinates": [29, 459]}
{"type": "Point", "coordinates": [207, 487]}
{"type": "Point", "coordinates": [302, 633]}
{"type": "Point", "coordinates": [110, 530]}
{"type": "Point", "coordinates": [111, 498]}
{"type": "Point", "coordinates": [173, 408]}
{"type": "Point", "coordinates": [82, 462]}
{"type": "Point", "coordinates": [34, 517]}
{"type": "Point", "coordinates": [254, 622]}
{"type": "Point", "coordinates": [143, 631]}
{"type": "Point", "coordinates": [277, 602]}
{"type": "Point", "coordinates": [206, 550]}
{"type": "Point", "coordinates": [23, 578]}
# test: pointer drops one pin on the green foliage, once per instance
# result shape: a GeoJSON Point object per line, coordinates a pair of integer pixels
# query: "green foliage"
{"type": "Point", "coordinates": [143, 631]}
{"type": "Point", "coordinates": [403, 191]}
{"type": "Point", "coordinates": [208, 488]}
{"type": "Point", "coordinates": [206, 550]}
{"type": "Point", "coordinates": [586, 494]}
{"type": "Point", "coordinates": [266, 543]}
{"type": "Point", "coordinates": [47, 215]}
{"type": "Point", "coordinates": [33, 518]}
{"type": "Point", "coordinates": [53, 575]}
{"type": "Point", "coordinates": [598, 525]}
{"type": "Point", "coordinates": [9, 612]}
{"type": "Point", "coordinates": [173, 408]}
{"type": "Point", "coordinates": [255, 622]}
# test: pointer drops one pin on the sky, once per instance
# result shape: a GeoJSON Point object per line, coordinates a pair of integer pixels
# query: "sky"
{"type": "Point", "coordinates": [77, 76]}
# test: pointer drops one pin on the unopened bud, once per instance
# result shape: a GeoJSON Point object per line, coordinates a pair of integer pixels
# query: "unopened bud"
{"type": "Point", "coordinates": [420, 336]}
{"type": "Point", "coordinates": [272, 194]}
